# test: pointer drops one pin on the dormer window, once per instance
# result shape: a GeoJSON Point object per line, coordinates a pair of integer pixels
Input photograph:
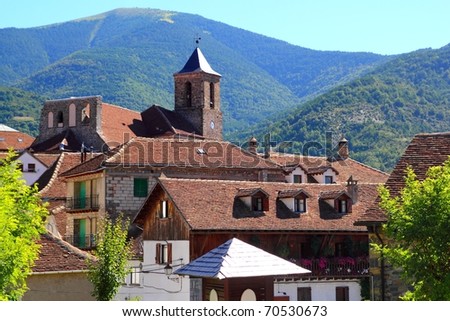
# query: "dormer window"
{"type": "Point", "coordinates": [294, 200]}
{"type": "Point", "coordinates": [297, 179]}
{"type": "Point", "coordinates": [328, 179]}
{"type": "Point", "coordinates": [339, 200]}
{"type": "Point", "coordinates": [250, 203]}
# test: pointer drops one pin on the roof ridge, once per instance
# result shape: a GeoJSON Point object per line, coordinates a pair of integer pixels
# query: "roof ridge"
{"type": "Point", "coordinates": [370, 167]}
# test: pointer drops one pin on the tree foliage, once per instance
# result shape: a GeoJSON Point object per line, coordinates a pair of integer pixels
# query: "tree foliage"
{"type": "Point", "coordinates": [418, 229]}
{"type": "Point", "coordinates": [22, 220]}
{"type": "Point", "coordinates": [112, 253]}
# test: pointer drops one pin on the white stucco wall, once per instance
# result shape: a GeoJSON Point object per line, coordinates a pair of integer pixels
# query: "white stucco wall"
{"type": "Point", "coordinates": [320, 290]}
{"type": "Point", "coordinates": [155, 286]}
{"type": "Point", "coordinates": [297, 171]}
{"type": "Point", "coordinates": [31, 177]}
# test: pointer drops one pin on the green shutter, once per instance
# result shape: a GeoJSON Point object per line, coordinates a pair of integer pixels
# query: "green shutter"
{"type": "Point", "coordinates": [140, 187]}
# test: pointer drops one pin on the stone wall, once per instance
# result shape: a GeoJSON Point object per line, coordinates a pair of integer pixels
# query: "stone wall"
{"type": "Point", "coordinates": [82, 115]}
{"type": "Point", "coordinates": [394, 287]}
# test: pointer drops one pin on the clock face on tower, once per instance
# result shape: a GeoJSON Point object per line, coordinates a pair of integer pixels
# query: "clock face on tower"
{"type": "Point", "coordinates": [211, 124]}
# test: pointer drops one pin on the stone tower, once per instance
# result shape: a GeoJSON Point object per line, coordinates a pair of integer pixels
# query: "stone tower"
{"type": "Point", "coordinates": [197, 96]}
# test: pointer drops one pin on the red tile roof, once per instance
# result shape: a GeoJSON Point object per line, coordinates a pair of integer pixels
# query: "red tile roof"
{"type": "Point", "coordinates": [345, 168]}
{"type": "Point", "coordinates": [51, 184]}
{"type": "Point", "coordinates": [210, 205]}
{"type": "Point", "coordinates": [187, 153]}
{"type": "Point", "coordinates": [119, 125]}
{"type": "Point", "coordinates": [58, 255]}
{"type": "Point", "coordinates": [423, 152]}
{"type": "Point", "coordinates": [15, 140]}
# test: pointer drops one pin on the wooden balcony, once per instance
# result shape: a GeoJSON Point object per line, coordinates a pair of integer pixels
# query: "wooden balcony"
{"type": "Point", "coordinates": [335, 267]}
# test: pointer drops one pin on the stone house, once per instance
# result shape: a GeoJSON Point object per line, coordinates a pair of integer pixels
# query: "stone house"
{"type": "Point", "coordinates": [423, 152]}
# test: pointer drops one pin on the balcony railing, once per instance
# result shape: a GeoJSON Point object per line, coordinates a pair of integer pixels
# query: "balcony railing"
{"type": "Point", "coordinates": [82, 242]}
{"type": "Point", "coordinates": [82, 203]}
{"type": "Point", "coordinates": [336, 267]}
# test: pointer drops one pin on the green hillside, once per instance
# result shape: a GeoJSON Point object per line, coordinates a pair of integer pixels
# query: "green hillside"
{"type": "Point", "coordinates": [128, 56]}
{"type": "Point", "coordinates": [20, 109]}
{"type": "Point", "coordinates": [378, 113]}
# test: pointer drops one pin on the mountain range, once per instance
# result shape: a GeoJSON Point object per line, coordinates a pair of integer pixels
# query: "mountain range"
{"type": "Point", "coordinates": [129, 56]}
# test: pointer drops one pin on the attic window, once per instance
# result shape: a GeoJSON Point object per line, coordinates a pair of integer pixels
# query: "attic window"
{"type": "Point", "coordinates": [201, 151]}
{"type": "Point", "coordinates": [299, 205]}
{"type": "Point", "coordinates": [328, 179]}
{"type": "Point", "coordinates": [19, 140]}
{"type": "Point", "coordinates": [163, 209]}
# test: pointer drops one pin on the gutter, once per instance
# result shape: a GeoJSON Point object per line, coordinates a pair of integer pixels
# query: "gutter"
{"type": "Point", "coordinates": [59, 272]}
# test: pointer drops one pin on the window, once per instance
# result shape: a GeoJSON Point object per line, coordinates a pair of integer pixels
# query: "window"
{"type": "Point", "coordinates": [342, 206]}
{"type": "Point", "coordinates": [140, 187]}
{"type": "Point", "coordinates": [32, 167]}
{"type": "Point", "coordinates": [304, 294]}
{"type": "Point", "coordinates": [342, 293]}
{"type": "Point", "coordinates": [163, 209]}
{"type": "Point", "coordinates": [297, 179]}
{"type": "Point", "coordinates": [163, 253]}
{"type": "Point", "coordinates": [299, 205]}
{"type": "Point", "coordinates": [60, 119]}
{"type": "Point", "coordinates": [258, 204]}
{"type": "Point", "coordinates": [135, 276]}
{"type": "Point", "coordinates": [211, 95]}
{"type": "Point", "coordinates": [328, 179]}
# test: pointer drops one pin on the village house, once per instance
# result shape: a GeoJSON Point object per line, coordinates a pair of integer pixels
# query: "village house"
{"type": "Point", "coordinates": [423, 152]}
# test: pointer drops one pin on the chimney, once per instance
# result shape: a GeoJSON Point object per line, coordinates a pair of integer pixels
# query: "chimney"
{"type": "Point", "coordinates": [253, 145]}
{"type": "Point", "coordinates": [343, 148]}
{"type": "Point", "coordinates": [352, 189]}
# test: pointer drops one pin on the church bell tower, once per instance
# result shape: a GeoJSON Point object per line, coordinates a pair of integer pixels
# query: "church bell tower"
{"type": "Point", "coordinates": [197, 96]}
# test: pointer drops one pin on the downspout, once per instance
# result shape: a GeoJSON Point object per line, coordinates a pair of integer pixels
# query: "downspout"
{"type": "Point", "coordinates": [383, 279]}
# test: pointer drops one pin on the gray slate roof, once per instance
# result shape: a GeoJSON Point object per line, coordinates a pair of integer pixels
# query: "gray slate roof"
{"type": "Point", "coordinates": [197, 63]}
{"type": "Point", "coordinates": [236, 258]}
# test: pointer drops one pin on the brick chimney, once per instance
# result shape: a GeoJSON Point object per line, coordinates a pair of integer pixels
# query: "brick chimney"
{"type": "Point", "coordinates": [343, 148]}
{"type": "Point", "coordinates": [253, 145]}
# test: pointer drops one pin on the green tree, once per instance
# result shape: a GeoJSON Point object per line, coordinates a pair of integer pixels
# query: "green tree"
{"type": "Point", "coordinates": [418, 231]}
{"type": "Point", "coordinates": [22, 220]}
{"type": "Point", "coordinates": [112, 253]}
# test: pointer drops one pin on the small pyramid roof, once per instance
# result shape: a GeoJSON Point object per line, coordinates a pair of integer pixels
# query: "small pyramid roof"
{"type": "Point", "coordinates": [197, 63]}
{"type": "Point", "coordinates": [236, 258]}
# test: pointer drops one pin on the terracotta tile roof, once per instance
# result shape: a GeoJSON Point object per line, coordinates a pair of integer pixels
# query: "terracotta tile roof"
{"type": "Point", "coordinates": [331, 195]}
{"type": "Point", "coordinates": [92, 164]}
{"type": "Point", "coordinates": [211, 205]}
{"type": "Point", "coordinates": [46, 159]}
{"type": "Point", "coordinates": [51, 184]}
{"type": "Point", "coordinates": [15, 140]}
{"type": "Point", "coordinates": [345, 168]}
{"type": "Point", "coordinates": [187, 153]}
{"type": "Point", "coordinates": [291, 193]}
{"type": "Point", "coordinates": [58, 255]}
{"type": "Point", "coordinates": [242, 192]}
{"type": "Point", "coordinates": [423, 152]}
{"type": "Point", "coordinates": [119, 125]}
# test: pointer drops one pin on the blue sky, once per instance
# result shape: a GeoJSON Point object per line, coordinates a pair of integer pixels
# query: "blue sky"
{"type": "Point", "coordinates": [380, 26]}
